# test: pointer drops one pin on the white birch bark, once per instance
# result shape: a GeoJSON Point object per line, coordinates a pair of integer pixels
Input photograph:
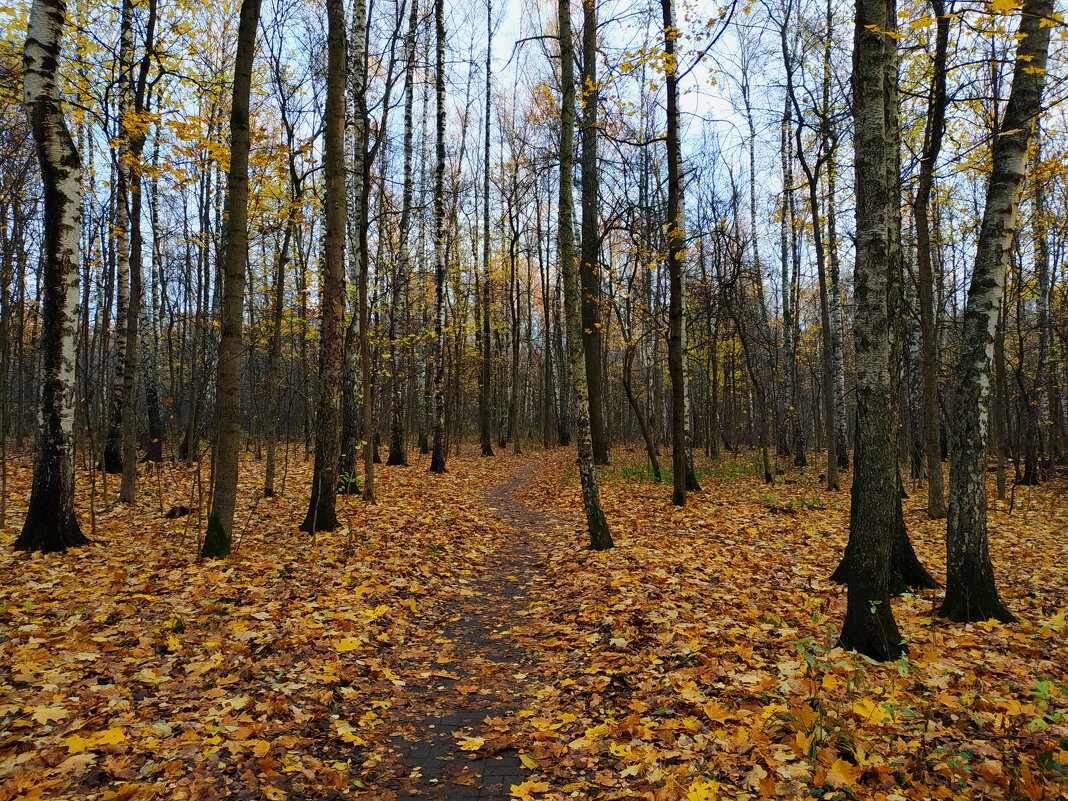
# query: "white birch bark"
{"type": "Point", "coordinates": [51, 524]}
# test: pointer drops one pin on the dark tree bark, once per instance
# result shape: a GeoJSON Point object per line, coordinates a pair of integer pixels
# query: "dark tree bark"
{"type": "Point", "coordinates": [932, 145]}
{"type": "Point", "coordinates": [485, 433]}
{"type": "Point", "coordinates": [589, 272]}
{"type": "Point", "coordinates": [322, 505]}
{"type": "Point", "coordinates": [217, 538]}
{"type": "Point", "coordinates": [682, 464]}
{"type": "Point", "coordinates": [869, 625]}
{"type": "Point", "coordinates": [600, 537]}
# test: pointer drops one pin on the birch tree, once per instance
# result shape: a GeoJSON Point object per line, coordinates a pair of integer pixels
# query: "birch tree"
{"type": "Point", "coordinates": [51, 524]}
{"type": "Point", "coordinates": [971, 593]}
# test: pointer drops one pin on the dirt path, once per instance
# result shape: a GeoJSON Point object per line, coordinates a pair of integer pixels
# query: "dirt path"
{"type": "Point", "coordinates": [472, 675]}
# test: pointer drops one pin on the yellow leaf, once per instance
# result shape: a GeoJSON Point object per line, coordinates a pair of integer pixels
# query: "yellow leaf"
{"type": "Point", "coordinates": [843, 774]}
{"type": "Point", "coordinates": [702, 789]}
{"type": "Point", "coordinates": [717, 713]}
{"type": "Point", "coordinates": [528, 763]}
{"type": "Point", "coordinates": [76, 744]}
{"type": "Point", "coordinates": [260, 747]}
{"type": "Point", "coordinates": [526, 790]}
{"type": "Point", "coordinates": [110, 737]}
{"type": "Point", "coordinates": [871, 711]}
{"type": "Point", "coordinates": [346, 734]}
{"type": "Point", "coordinates": [347, 644]}
{"type": "Point", "coordinates": [472, 743]}
{"type": "Point", "coordinates": [1003, 6]}
{"type": "Point", "coordinates": [48, 714]}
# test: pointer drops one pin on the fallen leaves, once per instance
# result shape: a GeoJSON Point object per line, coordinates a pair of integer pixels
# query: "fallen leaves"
{"type": "Point", "coordinates": [76, 743]}
{"type": "Point", "coordinates": [703, 650]}
{"type": "Point", "coordinates": [696, 662]}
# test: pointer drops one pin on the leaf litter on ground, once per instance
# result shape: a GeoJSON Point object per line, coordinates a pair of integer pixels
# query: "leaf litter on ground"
{"type": "Point", "coordinates": [694, 661]}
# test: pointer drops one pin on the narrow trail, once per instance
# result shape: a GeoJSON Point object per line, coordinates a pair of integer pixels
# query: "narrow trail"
{"type": "Point", "coordinates": [472, 675]}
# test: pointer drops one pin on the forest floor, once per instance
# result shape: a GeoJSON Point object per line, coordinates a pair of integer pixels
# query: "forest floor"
{"type": "Point", "coordinates": [456, 640]}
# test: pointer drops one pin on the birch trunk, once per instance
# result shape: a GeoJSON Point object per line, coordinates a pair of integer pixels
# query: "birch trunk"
{"type": "Point", "coordinates": [397, 454]}
{"type": "Point", "coordinates": [438, 450]}
{"type": "Point", "coordinates": [971, 593]}
{"type": "Point", "coordinates": [51, 524]}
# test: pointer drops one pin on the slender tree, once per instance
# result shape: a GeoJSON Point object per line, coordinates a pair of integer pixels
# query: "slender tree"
{"type": "Point", "coordinates": [437, 456]}
{"type": "Point", "coordinates": [235, 255]}
{"type": "Point", "coordinates": [681, 460]}
{"type": "Point", "coordinates": [322, 505]}
{"type": "Point", "coordinates": [589, 268]}
{"type": "Point", "coordinates": [932, 144]}
{"type": "Point", "coordinates": [971, 593]}
{"type": "Point", "coordinates": [397, 452]}
{"type": "Point", "coordinates": [600, 537]}
{"type": "Point", "coordinates": [485, 365]}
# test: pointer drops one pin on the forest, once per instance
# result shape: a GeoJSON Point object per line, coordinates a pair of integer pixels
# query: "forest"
{"type": "Point", "coordinates": [607, 399]}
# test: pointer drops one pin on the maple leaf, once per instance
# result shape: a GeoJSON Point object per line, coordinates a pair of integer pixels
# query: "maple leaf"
{"type": "Point", "coordinates": [843, 774]}
{"type": "Point", "coordinates": [48, 714]}
{"type": "Point", "coordinates": [472, 743]}
{"type": "Point", "coordinates": [526, 790]}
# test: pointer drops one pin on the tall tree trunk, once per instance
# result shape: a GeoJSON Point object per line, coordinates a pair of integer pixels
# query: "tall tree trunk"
{"type": "Point", "coordinates": [933, 132]}
{"type": "Point", "coordinates": [322, 505]}
{"type": "Point", "coordinates": [485, 434]}
{"type": "Point", "coordinates": [51, 524]}
{"type": "Point", "coordinates": [681, 461]}
{"type": "Point", "coordinates": [869, 625]}
{"type": "Point", "coordinates": [1045, 376]}
{"type": "Point", "coordinates": [133, 134]}
{"type": "Point", "coordinates": [812, 176]}
{"type": "Point", "coordinates": [112, 459]}
{"type": "Point", "coordinates": [357, 193]}
{"type": "Point", "coordinates": [786, 429]}
{"type": "Point", "coordinates": [217, 538]}
{"type": "Point", "coordinates": [841, 427]}
{"type": "Point", "coordinates": [274, 353]}
{"type": "Point", "coordinates": [438, 450]}
{"type": "Point", "coordinates": [971, 593]}
{"type": "Point", "coordinates": [600, 537]}
{"type": "Point", "coordinates": [589, 272]}
{"type": "Point", "coordinates": [397, 453]}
